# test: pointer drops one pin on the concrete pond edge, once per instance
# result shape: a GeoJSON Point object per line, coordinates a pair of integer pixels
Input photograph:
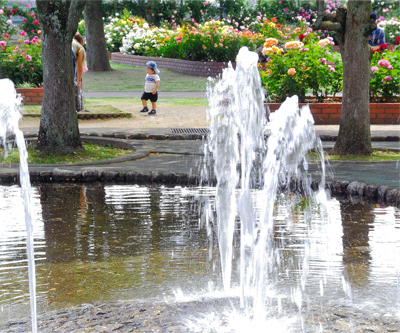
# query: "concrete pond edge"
{"type": "Point", "coordinates": [355, 190]}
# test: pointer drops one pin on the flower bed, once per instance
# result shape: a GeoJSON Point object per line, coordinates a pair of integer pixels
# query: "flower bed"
{"type": "Point", "coordinates": [329, 113]}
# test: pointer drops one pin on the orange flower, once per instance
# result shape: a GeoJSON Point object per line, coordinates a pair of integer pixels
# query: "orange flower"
{"type": "Point", "coordinates": [270, 41]}
{"type": "Point", "coordinates": [293, 45]}
{"type": "Point", "coordinates": [291, 71]}
{"type": "Point", "coordinates": [295, 31]}
{"type": "Point", "coordinates": [274, 19]}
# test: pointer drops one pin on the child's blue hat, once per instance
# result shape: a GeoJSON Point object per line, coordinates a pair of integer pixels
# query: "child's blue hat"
{"type": "Point", "coordinates": [153, 65]}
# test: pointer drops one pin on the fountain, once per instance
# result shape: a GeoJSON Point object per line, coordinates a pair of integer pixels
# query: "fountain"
{"type": "Point", "coordinates": [9, 117]}
{"type": "Point", "coordinates": [238, 121]}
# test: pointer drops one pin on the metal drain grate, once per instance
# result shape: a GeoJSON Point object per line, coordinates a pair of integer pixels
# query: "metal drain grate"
{"type": "Point", "coordinates": [190, 130]}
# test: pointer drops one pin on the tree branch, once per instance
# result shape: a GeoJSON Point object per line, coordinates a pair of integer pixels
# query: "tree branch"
{"type": "Point", "coordinates": [370, 27]}
{"type": "Point", "coordinates": [320, 15]}
{"type": "Point", "coordinates": [74, 16]}
{"type": "Point", "coordinates": [331, 26]}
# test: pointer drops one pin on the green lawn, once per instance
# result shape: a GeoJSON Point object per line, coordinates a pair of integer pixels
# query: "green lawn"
{"type": "Point", "coordinates": [125, 77]}
{"type": "Point", "coordinates": [91, 153]}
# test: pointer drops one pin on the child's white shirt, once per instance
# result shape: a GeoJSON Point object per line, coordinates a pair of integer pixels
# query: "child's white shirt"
{"type": "Point", "coordinates": [150, 82]}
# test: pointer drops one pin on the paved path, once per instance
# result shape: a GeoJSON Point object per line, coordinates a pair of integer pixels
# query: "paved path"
{"type": "Point", "coordinates": [186, 157]}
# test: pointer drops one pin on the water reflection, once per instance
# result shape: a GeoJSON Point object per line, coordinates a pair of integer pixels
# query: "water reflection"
{"type": "Point", "coordinates": [357, 221]}
{"type": "Point", "coordinates": [95, 242]}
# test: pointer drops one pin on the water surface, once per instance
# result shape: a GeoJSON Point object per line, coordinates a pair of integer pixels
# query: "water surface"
{"type": "Point", "coordinates": [109, 242]}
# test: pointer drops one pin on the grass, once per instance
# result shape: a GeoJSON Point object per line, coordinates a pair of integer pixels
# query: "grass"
{"type": "Point", "coordinates": [122, 104]}
{"type": "Point", "coordinates": [378, 155]}
{"type": "Point", "coordinates": [91, 153]}
{"type": "Point", "coordinates": [124, 77]}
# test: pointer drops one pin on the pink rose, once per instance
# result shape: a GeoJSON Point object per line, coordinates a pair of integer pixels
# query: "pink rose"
{"type": "Point", "coordinates": [22, 66]}
{"type": "Point", "coordinates": [387, 78]}
{"type": "Point", "coordinates": [1, 11]}
{"type": "Point", "coordinates": [323, 61]}
{"type": "Point", "coordinates": [9, 22]}
{"type": "Point", "coordinates": [26, 41]}
{"type": "Point", "coordinates": [3, 43]}
{"type": "Point", "coordinates": [28, 57]}
{"type": "Point", "coordinates": [384, 63]}
{"type": "Point", "coordinates": [374, 68]}
{"type": "Point", "coordinates": [331, 69]}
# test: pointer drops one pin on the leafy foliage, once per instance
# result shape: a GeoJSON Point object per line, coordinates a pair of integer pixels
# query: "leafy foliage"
{"type": "Point", "coordinates": [385, 76]}
{"type": "Point", "coordinates": [297, 68]}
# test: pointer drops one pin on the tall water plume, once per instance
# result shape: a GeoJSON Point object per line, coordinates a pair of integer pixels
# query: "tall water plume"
{"type": "Point", "coordinates": [9, 118]}
{"type": "Point", "coordinates": [244, 160]}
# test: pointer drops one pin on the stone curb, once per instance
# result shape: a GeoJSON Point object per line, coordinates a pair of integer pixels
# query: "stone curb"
{"type": "Point", "coordinates": [89, 115]}
{"type": "Point", "coordinates": [355, 190]}
{"type": "Point", "coordinates": [144, 136]}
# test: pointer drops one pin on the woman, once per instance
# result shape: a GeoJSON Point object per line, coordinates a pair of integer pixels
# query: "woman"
{"type": "Point", "coordinates": [80, 55]}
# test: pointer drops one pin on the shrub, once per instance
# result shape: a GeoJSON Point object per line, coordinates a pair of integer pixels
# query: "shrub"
{"type": "Point", "coordinates": [385, 76]}
{"type": "Point", "coordinates": [30, 24]}
{"type": "Point", "coordinates": [211, 41]}
{"type": "Point", "coordinates": [391, 28]}
{"type": "Point", "coordinates": [22, 62]}
{"type": "Point", "coordinates": [119, 27]}
{"type": "Point", "coordinates": [298, 68]}
{"type": "Point", "coordinates": [144, 41]}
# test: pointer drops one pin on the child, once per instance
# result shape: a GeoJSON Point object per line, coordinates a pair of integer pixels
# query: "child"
{"type": "Point", "coordinates": [152, 82]}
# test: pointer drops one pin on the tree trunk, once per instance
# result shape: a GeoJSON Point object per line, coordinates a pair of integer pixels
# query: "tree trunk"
{"type": "Point", "coordinates": [354, 133]}
{"type": "Point", "coordinates": [97, 56]}
{"type": "Point", "coordinates": [58, 130]}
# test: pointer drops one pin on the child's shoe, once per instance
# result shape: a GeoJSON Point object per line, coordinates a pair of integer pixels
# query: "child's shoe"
{"type": "Point", "coordinates": [145, 109]}
{"type": "Point", "coordinates": [152, 112]}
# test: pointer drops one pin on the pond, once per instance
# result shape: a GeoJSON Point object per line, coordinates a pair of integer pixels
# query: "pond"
{"type": "Point", "coordinates": [98, 242]}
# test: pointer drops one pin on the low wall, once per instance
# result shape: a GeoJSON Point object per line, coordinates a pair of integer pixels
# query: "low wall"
{"type": "Point", "coordinates": [31, 96]}
{"type": "Point", "coordinates": [197, 68]}
{"type": "Point", "coordinates": [329, 113]}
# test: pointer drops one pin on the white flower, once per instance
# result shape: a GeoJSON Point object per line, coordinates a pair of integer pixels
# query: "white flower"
{"type": "Point", "coordinates": [116, 14]}
{"type": "Point", "coordinates": [146, 25]}
{"type": "Point", "coordinates": [136, 46]}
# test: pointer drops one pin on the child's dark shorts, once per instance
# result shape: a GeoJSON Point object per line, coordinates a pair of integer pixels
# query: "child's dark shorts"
{"type": "Point", "coordinates": [149, 96]}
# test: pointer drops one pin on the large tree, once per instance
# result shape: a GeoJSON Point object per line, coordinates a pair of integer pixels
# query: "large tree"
{"type": "Point", "coordinates": [352, 26]}
{"type": "Point", "coordinates": [58, 130]}
{"type": "Point", "coordinates": [97, 56]}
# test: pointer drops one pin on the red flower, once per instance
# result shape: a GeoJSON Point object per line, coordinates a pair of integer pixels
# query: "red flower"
{"type": "Point", "coordinates": [301, 37]}
{"type": "Point", "coordinates": [382, 47]}
{"type": "Point", "coordinates": [148, 10]}
{"type": "Point", "coordinates": [397, 41]}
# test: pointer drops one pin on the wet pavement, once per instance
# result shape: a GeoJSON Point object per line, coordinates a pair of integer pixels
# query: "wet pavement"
{"type": "Point", "coordinates": [166, 154]}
